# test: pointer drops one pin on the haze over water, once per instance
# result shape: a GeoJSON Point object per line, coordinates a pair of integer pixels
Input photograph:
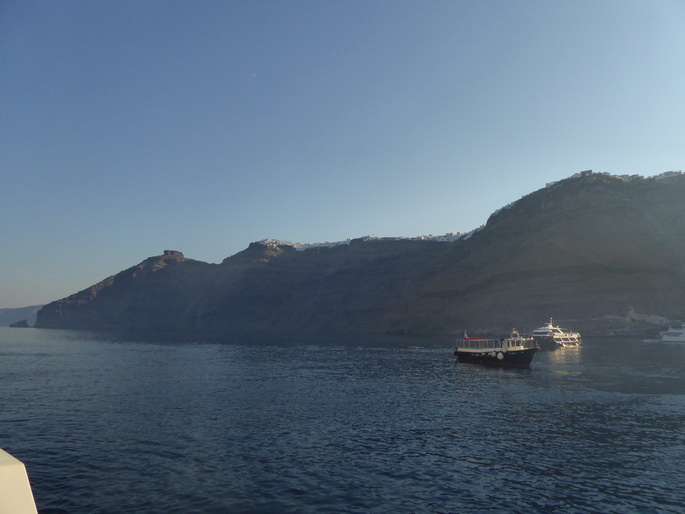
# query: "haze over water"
{"type": "Point", "coordinates": [106, 423]}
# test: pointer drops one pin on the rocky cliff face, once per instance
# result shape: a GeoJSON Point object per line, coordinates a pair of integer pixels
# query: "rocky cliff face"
{"type": "Point", "coordinates": [589, 249]}
{"type": "Point", "coordinates": [155, 294]}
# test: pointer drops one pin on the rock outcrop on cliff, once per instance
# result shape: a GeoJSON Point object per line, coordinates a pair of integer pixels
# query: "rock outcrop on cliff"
{"type": "Point", "coordinates": [154, 294]}
{"type": "Point", "coordinates": [588, 248]}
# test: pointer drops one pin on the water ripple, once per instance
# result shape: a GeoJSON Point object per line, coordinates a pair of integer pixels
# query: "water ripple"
{"type": "Point", "coordinates": [113, 425]}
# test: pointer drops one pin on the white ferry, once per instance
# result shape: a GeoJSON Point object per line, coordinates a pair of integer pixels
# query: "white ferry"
{"type": "Point", "coordinates": [514, 351]}
{"type": "Point", "coordinates": [551, 337]}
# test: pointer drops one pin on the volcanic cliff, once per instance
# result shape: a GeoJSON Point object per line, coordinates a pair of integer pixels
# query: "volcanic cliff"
{"type": "Point", "coordinates": [592, 249]}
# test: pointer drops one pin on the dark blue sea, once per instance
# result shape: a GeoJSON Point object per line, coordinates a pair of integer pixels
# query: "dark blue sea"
{"type": "Point", "coordinates": [109, 423]}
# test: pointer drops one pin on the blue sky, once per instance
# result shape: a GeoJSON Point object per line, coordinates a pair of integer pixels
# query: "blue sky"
{"type": "Point", "coordinates": [131, 127]}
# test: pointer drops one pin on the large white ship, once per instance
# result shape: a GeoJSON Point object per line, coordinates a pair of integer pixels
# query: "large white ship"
{"type": "Point", "coordinates": [551, 337]}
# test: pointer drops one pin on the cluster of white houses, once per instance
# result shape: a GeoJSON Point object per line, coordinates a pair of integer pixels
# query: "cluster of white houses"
{"type": "Point", "coordinates": [627, 178]}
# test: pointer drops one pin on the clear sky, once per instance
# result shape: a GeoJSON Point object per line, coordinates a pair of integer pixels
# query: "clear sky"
{"type": "Point", "coordinates": [134, 126]}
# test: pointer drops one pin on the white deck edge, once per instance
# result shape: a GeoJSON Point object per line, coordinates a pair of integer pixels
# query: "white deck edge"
{"type": "Point", "coordinates": [15, 490]}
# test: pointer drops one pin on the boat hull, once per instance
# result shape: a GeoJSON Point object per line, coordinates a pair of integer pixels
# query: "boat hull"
{"type": "Point", "coordinates": [547, 343]}
{"type": "Point", "coordinates": [666, 339]}
{"type": "Point", "coordinates": [512, 358]}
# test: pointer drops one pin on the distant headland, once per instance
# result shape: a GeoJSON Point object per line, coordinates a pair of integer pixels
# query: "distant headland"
{"type": "Point", "coordinates": [605, 253]}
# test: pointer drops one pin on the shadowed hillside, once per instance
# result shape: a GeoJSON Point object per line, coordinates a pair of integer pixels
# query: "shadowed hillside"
{"type": "Point", "coordinates": [586, 250]}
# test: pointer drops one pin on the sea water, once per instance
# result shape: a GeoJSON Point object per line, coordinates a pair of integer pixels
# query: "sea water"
{"type": "Point", "coordinates": [112, 423]}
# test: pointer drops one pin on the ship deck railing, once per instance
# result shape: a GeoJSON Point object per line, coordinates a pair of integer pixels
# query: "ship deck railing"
{"type": "Point", "coordinates": [483, 344]}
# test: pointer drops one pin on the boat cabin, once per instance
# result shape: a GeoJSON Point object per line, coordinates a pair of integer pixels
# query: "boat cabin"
{"type": "Point", "coordinates": [472, 343]}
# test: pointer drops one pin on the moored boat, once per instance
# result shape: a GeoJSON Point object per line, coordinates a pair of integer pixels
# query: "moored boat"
{"type": "Point", "coordinates": [551, 337]}
{"type": "Point", "coordinates": [514, 351]}
{"type": "Point", "coordinates": [673, 335]}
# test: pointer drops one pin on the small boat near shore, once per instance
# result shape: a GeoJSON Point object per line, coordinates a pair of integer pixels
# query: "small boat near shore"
{"type": "Point", "coordinates": [513, 351]}
{"type": "Point", "coordinates": [672, 335]}
{"type": "Point", "coordinates": [551, 337]}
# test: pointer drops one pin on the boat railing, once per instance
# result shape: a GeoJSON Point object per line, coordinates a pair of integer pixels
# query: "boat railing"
{"type": "Point", "coordinates": [522, 343]}
{"type": "Point", "coordinates": [482, 344]}
{"type": "Point", "coordinates": [479, 344]}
